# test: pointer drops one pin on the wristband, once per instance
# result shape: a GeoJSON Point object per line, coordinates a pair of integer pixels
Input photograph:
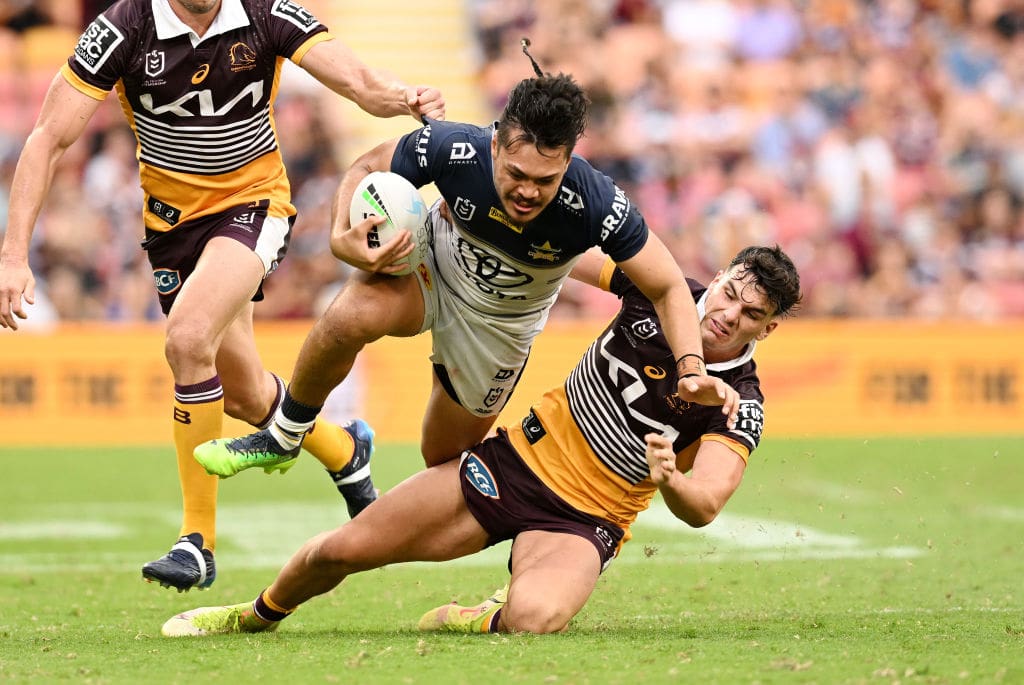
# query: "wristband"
{"type": "Point", "coordinates": [690, 365]}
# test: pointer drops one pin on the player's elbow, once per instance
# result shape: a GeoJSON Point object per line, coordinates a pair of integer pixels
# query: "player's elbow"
{"type": "Point", "coordinates": [700, 516]}
{"type": "Point", "coordinates": [335, 245]}
{"type": "Point", "coordinates": [701, 520]}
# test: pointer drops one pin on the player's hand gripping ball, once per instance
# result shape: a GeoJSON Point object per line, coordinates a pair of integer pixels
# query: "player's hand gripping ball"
{"type": "Point", "coordinates": [389, 195]}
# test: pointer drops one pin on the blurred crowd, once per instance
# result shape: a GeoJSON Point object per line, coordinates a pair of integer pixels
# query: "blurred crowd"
{"type": "Point", "coordinates": [880, 142]}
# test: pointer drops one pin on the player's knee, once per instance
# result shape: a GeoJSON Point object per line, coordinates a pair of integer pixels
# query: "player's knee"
{"type": "Point", "coordinates": [187, 346]}
{"type": "Point", "coordinates": [337, 552]}
{"type": "Point", "coordinates": [534, 616]}
{"type": "Point", "coordinates": [351, 328]}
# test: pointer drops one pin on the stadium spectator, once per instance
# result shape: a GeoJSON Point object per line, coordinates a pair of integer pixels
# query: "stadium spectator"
{"type": "Point", "coordinates": [878, 109]}
{"type": "Point", "coordinates": [567, 482]}
{"type": "Point", "coordinates": [936, 83]}
{"type": "Point", "coordinates": [218, 213]}
{"type": "Point", "coordinates": [523, 208]}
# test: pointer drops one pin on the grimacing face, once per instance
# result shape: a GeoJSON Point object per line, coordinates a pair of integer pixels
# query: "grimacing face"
{"type": "Point", "coordinates": [527, 178]}
{"type": "Point", "coordinates": [736, 312]}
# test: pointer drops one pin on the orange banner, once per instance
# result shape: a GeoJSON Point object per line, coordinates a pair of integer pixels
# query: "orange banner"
{"type": "Point", "coordinates": [97, 385]}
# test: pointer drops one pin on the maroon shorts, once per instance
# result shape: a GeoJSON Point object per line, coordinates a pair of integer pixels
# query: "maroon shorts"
{"type": "Point", "coordinates": [506, 498]}
{"type": "Point", "coordinates": [174, 254]}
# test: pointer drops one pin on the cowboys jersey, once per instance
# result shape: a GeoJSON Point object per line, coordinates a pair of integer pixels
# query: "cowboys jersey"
{"type": "Point", "coordinates": [585, 440]}
{"type": "Point", "coordinates": [492, 264]}
{"type": "Point", "coordinates": [201, 108]}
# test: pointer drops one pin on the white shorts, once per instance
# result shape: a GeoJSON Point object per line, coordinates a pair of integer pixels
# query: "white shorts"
{"type": "Point", "coordinates": [484, 355]}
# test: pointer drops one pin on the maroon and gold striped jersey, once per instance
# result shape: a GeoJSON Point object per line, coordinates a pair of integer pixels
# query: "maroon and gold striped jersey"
{"type": "Point", "coordinates": [201, 108]}
{"type": "Point", "coordinates": [585, 440]}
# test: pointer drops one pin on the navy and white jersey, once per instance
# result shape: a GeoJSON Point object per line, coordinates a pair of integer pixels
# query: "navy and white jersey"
{"type": "Point", "coordinates": [585, 440]}
{"type": "Point", "coordinates": [492, 264]}
{"type": "Point", "coordinates": [201, 108]}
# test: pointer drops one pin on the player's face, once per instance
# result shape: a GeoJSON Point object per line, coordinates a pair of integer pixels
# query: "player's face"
{"type": "Point", "coordinates": [198, 6]}
{"type": "Point", "coordinates": [736, 311]}
{"type": "Point", "coordinates": [526, 177]}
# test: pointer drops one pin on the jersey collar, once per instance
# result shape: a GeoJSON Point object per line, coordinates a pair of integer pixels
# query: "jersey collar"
{"type": "Point", "coordinates": [231, 16]}
{"type": "Point", "coordinates": [748, 351]}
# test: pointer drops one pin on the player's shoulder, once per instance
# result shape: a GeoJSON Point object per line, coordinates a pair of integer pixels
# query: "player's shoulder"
{"type": "Point", "coordinates": [593, 187]}
{"type": "Point", "coordinates": [471, 139]}
{"type": "Point", "coordinates": [293, 12]}
{"type": "Point", "coordinates": [119, 25]}
{"type": "Point", "coordinates": [446, 146]}
{"type": "Point", "coordinates": [123, 17]}
{"type": "Point", "coordinates": [745, 380]}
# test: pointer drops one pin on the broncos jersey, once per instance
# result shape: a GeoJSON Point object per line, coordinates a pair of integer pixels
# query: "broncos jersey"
{"type": "Point", "coordinates": [493, 265]}
{"type": "Point", "coordinates": [585, 440]}
{"type": "Point", "coordinates": [201, 108]}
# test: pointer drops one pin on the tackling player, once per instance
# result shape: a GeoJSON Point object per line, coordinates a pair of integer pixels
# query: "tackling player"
{"type": "Point", "coordinates": [197, 80]}
{"type": "Point", "coordinates": [568, 481]}
{"type": "Point", "coordinates": [523, 209]}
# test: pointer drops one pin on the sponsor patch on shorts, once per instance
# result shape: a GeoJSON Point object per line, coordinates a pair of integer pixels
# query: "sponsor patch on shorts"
{"type": "Point", "coordinates": [480, 477]}
{"type": "Point", "coordinates": [167, 280]}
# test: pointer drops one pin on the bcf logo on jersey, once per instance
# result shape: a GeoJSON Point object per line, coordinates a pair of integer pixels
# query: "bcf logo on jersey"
{"type": "Point", "coordinates": [154, 62]}
{"type": "Point", "coordinates": [480, 477]}
{"type": "Point", "coordinates": [167, 280]}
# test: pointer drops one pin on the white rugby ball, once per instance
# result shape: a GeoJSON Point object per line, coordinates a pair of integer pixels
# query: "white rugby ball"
{"type": "Point", "coordinates": [387, 194]}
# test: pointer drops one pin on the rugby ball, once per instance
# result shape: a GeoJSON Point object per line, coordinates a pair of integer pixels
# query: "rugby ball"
{"type": "Point", "coordinates": [392, 196]}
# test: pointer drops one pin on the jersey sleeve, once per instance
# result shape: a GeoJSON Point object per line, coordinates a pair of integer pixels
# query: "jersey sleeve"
{"type": "Point", "coordinates": [103, 50]}
{"type": "Point", "coordinates": [749, 422]}
{"type": "Point", "coordinates": [421, 155]}
{"type": "Point", "coordinates": [618, 227]}
{"type": "Point", "coordinates": [293, 29]}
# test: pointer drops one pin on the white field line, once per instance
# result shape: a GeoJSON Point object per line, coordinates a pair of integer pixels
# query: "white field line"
{"type": "Point", "coordinates": [265, 536]}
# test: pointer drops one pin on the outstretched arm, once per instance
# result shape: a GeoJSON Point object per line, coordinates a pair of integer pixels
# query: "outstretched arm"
{"type": "Point", "coordinates": [63, 117]}
{"type": "Point", "coordinates": [656, 274]}
{"type": "Point", "coordinates": [698, 498]}
{"type": "Point", "coordinates": [375, 91]}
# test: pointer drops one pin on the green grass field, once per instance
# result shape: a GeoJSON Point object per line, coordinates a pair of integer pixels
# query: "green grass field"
{"type": "Point", "coordinates": [867, 561]}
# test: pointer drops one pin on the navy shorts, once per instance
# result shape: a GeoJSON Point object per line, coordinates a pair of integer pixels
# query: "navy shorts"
{"type": "Point", "coordinates": [506, 498]}
{"type": "Point", "coordinates": [175, 253]}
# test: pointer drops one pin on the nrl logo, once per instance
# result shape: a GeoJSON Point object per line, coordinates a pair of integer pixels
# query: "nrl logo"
{"type": "Point", "coordinates": [154, 62]}
{"type": "Point", "coordinates": [645, 328]}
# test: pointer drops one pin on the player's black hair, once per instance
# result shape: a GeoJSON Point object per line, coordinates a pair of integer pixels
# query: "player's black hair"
{"type": "Point", "coordinates": [546, 111]}
{"type": "Point", "coordinates": [774, 273]}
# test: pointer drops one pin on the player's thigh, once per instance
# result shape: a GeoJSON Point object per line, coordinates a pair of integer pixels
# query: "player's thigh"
{"type": "Point", "coordinates": [423, 518]}
{"type": "Point", "coordinates": [370, 306]}
{"type": "Point", "coordinates": [553, 576]}
{"type": "Point", "coordinates": [449, 428]}
{"type": "Point", "coordinates": [224, 281]}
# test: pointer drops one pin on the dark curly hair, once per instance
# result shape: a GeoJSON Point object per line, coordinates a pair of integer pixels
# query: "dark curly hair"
{"type": "Point", "coordinates": [774, 273]}
{"type": "Point", "coordinates": [546, 111]}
